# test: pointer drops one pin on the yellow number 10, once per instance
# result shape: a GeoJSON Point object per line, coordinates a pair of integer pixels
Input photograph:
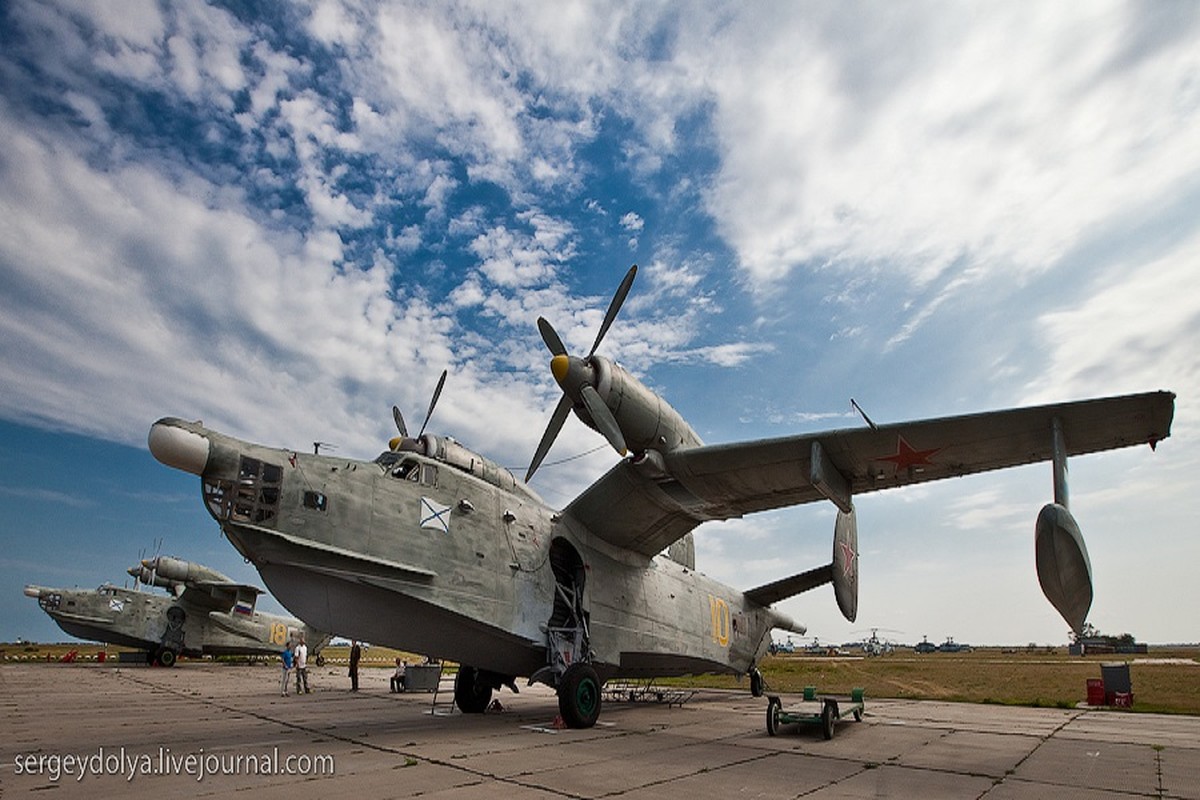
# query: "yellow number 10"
{"type": "Point", "coordinates": [720, 620]}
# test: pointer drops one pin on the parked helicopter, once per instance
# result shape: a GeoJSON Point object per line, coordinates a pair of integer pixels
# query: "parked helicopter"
{"type": "Point", "coordinates": [433, 548]}
{"type": "Point", "coordinates": [202, 613]}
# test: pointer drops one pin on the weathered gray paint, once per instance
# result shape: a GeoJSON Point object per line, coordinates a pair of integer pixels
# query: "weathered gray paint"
{"type": "Point", "coordinates": [130, 618]}
{"type": "Point", "coordinates": [482, 592]}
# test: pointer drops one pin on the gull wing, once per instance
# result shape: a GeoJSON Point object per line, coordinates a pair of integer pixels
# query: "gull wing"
{"type": "Point", "coordinates": [646, 503]}
{"type": "Point", "coordinates": [228, 596]}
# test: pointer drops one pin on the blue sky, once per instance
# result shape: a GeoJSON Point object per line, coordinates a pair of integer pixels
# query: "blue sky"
{"type": "Point", "coordinates": [284, 218]}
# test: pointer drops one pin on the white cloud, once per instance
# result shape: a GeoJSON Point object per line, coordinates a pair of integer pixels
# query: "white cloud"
{"type": "Point", "coordinates": [996, 140]}
{"type": "Point", "coordinates": [911, 159]}
{"type": "Point", "coordinates": [334, 22]}
{"type": "Point", "coordinates": [1132, 329]}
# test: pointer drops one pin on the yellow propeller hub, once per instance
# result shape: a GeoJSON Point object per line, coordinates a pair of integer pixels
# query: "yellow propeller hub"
{"type": "Point", "coordinates": [559, 366]}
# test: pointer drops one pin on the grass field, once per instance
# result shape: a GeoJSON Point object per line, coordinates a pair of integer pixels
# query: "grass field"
{"type": "Point", "coordinates": [1165, 680]}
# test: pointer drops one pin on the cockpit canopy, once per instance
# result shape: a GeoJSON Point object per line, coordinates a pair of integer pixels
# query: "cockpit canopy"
{"type": "Point", "coordinates": [406, 456]}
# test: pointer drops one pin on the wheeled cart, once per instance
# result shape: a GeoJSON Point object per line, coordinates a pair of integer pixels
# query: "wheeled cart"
{"type": "Point", "coordinates": [824, 710]}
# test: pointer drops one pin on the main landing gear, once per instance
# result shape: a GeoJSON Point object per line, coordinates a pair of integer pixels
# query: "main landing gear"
{"type": "Point", "coordinates": [568, 657]}
{"type": "Point", "coordinates": [579, 696]}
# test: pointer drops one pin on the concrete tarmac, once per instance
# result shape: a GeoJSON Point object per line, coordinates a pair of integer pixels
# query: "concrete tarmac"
{"type": "Point", "coordinates": [106, 731]}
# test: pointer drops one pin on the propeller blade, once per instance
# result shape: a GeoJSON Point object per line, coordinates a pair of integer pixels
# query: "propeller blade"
{"type": "Point", "coordinates": [399, 418]}
{"type": "Point", "coordinates": [432, 403]}
{"type": "Point", "coordinates": [614, 307]}
{"type": "Point", "coordinates": [605, 421]}
{"type": "Point", "coordinates": [550, 337]}
{"type": "Point", "coordinates": [556, 422]}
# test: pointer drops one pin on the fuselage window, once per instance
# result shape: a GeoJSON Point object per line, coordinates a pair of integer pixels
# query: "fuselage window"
{"type": "Point", "coordinates": [315, 500]}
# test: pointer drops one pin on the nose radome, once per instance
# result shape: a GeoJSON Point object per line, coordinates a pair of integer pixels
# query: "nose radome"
{"type": "Point", "coordinates": [177, 447]}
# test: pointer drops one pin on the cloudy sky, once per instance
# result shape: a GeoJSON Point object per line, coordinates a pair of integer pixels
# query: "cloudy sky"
{"type": "Point", "coordinates": [285, 219]}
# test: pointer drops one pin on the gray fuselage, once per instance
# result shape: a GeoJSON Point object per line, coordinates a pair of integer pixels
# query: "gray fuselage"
{"type": "Point", "coordinates": [450, 557]}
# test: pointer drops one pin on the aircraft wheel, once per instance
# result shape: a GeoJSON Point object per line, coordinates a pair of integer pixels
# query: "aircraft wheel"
{"type": "Point", "coordinates": [320, 661]}
{"type": "Point", "coordinates": [756, 683]}
{"type": "Point", "coordinates": [470, 695]}
{"type": "Point", "coordinates": [166, 657]}
{"type": "Point", "coordinates": [773, 709]}
{"type": "Point", "coordinates": [827, 721]}
{"type": "Point", "coordinates": [579, 696]}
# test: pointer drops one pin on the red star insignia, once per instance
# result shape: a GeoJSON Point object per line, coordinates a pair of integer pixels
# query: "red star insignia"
{"type": "Point", "coordinates": [906, 457]}
{"type": "Point", "coordinates": [848, 556]}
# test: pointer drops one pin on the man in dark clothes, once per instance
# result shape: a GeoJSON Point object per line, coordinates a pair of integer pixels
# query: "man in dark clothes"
{"type": "Point", "coordinates": [355, 655]}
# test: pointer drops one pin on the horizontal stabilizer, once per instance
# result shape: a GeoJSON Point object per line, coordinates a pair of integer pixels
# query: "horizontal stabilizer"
{"type": "Point", "coordinates": [788, 587]}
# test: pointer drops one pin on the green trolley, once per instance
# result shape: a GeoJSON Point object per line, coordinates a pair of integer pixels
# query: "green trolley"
{"type": "Point", "coordinates": [824, 710]}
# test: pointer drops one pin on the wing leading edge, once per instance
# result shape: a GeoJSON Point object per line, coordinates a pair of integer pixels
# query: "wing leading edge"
{"type": "Point", "coordinates": [646, 503]}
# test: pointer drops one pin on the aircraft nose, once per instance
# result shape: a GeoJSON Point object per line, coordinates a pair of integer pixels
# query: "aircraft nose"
{"type": "Point", "coordinates": [178, 447]}
{"type": "Point", "coordinates": [33, 591]}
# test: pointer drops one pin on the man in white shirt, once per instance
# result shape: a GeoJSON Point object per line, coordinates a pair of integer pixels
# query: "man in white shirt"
{"type": "Point", "coordinates": [302, 667]}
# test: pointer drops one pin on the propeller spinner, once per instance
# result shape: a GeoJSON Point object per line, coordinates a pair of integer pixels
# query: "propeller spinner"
{"type": "Point", "coordinates": [577, 378]}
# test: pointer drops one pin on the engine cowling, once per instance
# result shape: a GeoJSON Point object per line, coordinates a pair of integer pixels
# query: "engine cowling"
{"type": "Point", "coordinates": [149, 577]}
{"type": "Point", "coordinates": [178, 570]}
{"type": "Point", "coordinates": [1063, 567]}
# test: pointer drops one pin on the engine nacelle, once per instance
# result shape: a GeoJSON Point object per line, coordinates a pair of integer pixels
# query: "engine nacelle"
{"type": "Point", "coordinates": [845, 564]}
{"type": "Point", "coordinates": [149, 577]}
{"type": "Point", "coordinates": [1063, 568]}
{"type": "Point", "coordinates": [176, 569]}
{"type": "Point", "coordinates": [646, 420]}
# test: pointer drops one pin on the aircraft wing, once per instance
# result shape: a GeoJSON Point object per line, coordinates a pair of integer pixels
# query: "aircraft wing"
{"type": "Point", "coordinates": [646, 503]}
{"type": "Point", "coordinates": [222, 595]}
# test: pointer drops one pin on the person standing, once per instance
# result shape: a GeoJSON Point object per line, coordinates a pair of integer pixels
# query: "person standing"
{"type": "Point", "coordinates": [355, 655]}
{"type": "Point", "coordinates": [302, 667]}
{"type": "Point", "coordinates": [286, 658]}
{"type": "Point", "coordinates": [398, 676]}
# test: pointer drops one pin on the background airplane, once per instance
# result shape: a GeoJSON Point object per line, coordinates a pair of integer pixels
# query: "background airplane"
{"type": "Point", "coordinates": [203, 613]}
{"type": "Point", "coordinates": [436, 549]}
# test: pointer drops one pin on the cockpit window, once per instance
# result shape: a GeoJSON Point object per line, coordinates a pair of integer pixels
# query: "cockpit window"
{"type": "Point", "coordinates": [410, 470]}
{"type": "Point", "coordinates": [388, 457]}
{"type": "Point", "coordinates": [407, 471]}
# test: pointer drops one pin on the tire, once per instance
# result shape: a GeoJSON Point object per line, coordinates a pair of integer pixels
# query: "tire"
{"type": "Point", "coordinates": [471, 696]}
{"type": "Point", "coordinates": [827, 721]}
{"type": "Point", "coordinates": [773, 709]}
{"type": "Point", "coordinates": [756, 683]}
{"type": "Point", "coordinates": [320, 661]}
{"type": "Point", "coordinates": [166, 657]}
{"type": "Point", "coordinates": [579, 696]}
